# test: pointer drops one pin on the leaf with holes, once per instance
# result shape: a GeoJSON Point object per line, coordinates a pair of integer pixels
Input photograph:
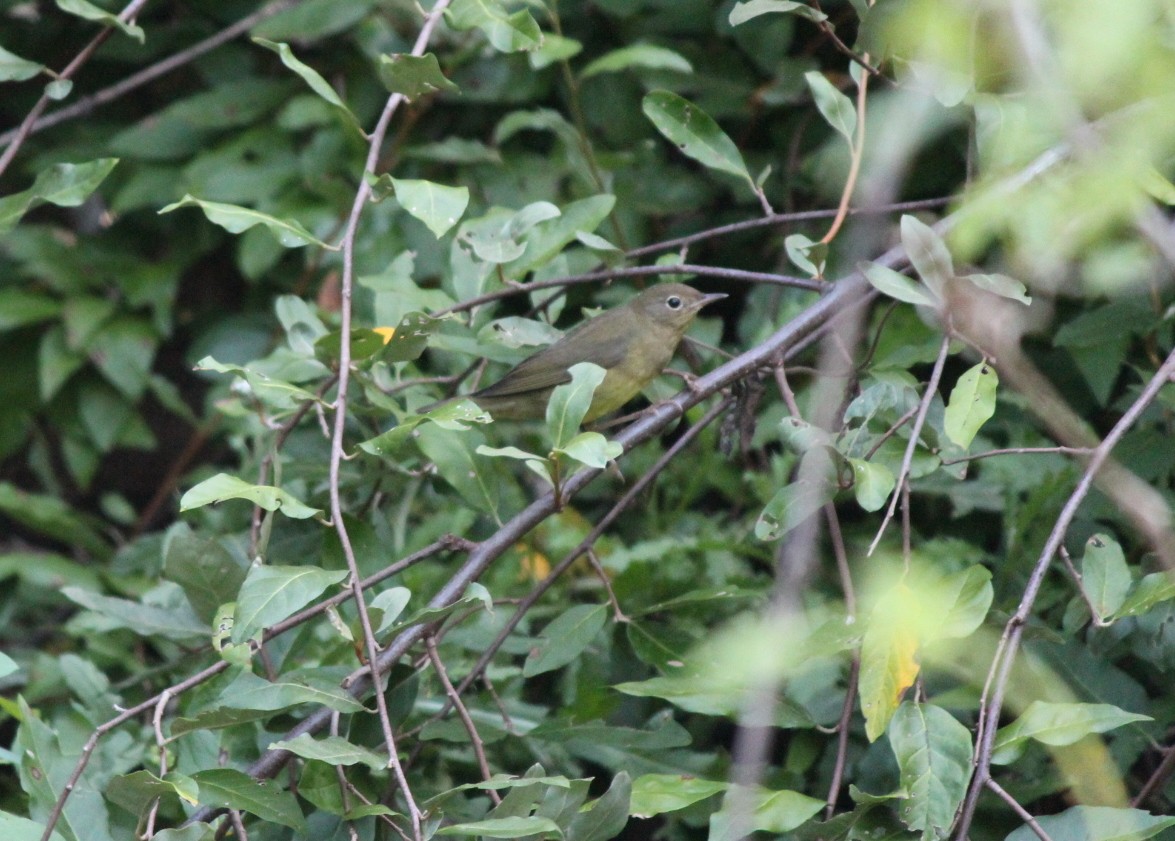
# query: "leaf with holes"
{"type": "Point", "coordinates": [695, 133]}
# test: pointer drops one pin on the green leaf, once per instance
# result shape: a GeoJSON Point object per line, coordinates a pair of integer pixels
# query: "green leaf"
{"type": "Point", "coordinates": [837, 109]}
{"type": "Point", "coordinates": [514, 331]}
{"type": "Point", "coordinates": [554, 48]}
{"type": "Point", "coordinates": [965, 597]}
{"type": "Point", "coordinates": [227, 788]}
{"type": "Point", "coordinates": [605, 818]}
{"type": "Point", "coordinates": [872, 483]}
{"type": "Point", "coordinates": [136, 791]}
{"type": "Point", "coordinates": [59, 89]}
{"type": "Point", "coordinates": [278, 394]}
{"type": "Point", "coordinates": [333, 750]}
{"type": "Point", "coordinates": [455, 415]}
{"type": "Point", "coordinates": [795, 503]}
{"type": "Point", "coordinates": [236, 219]}
{"type": "Point", "coordinates": [206, 570]}
{"type": "Point", "coordinates": [47, 571]}
{"type": "Point", "coordinates": [971, 405]}
{"type": "Point", "coordinates": [565, 638]}
{"type": "Point", "coordinates": [1105, 575]}
{"type": "Point", "coordinates": [653, 794]}
{"type": "Point", "coordinates": [65, 185]}
{"type": "Point", "coordinates": [452, 454]}
{"type": "Point", "coordinates": [175, 622]}
{"type": "Point", "coordinates": [475, 597]}
{"type": "Point", "coordinates": [592, 449]}
{"type": "Point", "coordinates": [389, 604]}
{"type": "Point", "coordinates": [637, 55]}
{"type": "Point", "coordinates": [1097, 823]}
{"type": "Point", "coordinates": [1158, 186]}
{"type": "Point", "coordinates": [888, 282]}
{"type": "Point", "coordinates": [52, 517]}
{"type": "Point", "coordinates": [437, 206]}
{"type": "Point", "coordinates": [413, 76]}
{"type": "Point", "coordinates": [928, 254]}
{"type": "Point", "coordinates": [124, 350]}
{"type": "Point", "coordinates": [16, 828]}
{"type": "Point", "coordinates": [312, 78]}
{"type": "Point", "coordinates": [1153, 589]}
{"type": "Point", "coordinates": [807, 254]}
{"type": "Point", "coordinates": [88, 11]}
{"type": "Point", "coordinates": [771, 811]}
{"type": "Point", "coordinates": [570, 402]}
{"type": "Point", "coordinates": [749, 9]}
{"type": "Point", "coordinates": [547, 239]}
{"type": "Point", "coordinates": [506, 32]}
{"type": "Point", "coordinates": [222, 486]}
{"type": "Point", "coordinates": [18, 308]}
{"type": "Point", "coordinates": [694, 132]}
{"type": "Point", "coordinates": [933, 751]}
{"type": "Point", "coordinates": [1002, 285]}
{"type": "Point", "coordinates": [13, 68]}
{"type": "Point", "coordinates": [410, 337]}
{"type": "Point", "coordinates": [188, 832]}
{"type": "Point", "coordinates": [597, 243]}
{"type": "Point", "coordinates": [1057, 724]}
{"type": "Point", "coordinates": [250, 692]}
{"type": "Point", "coordinates": [515, 827]}
{"type": "Point", "coordinates": [272, 593]}
{"type": "Point", "coordinates": [541, 466]}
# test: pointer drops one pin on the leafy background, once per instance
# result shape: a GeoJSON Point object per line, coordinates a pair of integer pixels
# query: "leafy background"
{"type": "Point", "coordinates": [733, 632]}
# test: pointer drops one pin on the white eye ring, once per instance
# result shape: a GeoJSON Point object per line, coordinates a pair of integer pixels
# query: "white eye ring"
{"type": "Point", "coordinates": [673, 302]}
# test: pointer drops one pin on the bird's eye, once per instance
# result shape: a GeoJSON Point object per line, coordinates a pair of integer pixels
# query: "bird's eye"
{"type": "Point", "coordinates": [673, 302]}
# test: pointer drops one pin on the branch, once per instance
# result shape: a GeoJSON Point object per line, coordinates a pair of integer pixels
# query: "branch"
{"type": "Point", "coordinates": [1002, 666]}
{"type": "Point", "coordinates": [340, 420]}
{"type": "Point", "coordinates": [636, 271]}
{"type": "Point", "coordinates": [22, 132]}
{"type": "Point", "coordinates": [86, 104]}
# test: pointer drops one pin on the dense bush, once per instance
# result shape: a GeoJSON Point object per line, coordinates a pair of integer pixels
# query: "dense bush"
{"type": "Point", "coordinates": [894, 562]}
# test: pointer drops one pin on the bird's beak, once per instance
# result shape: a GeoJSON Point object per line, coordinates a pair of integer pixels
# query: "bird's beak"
{"type": "Point", "coordinates": [706, 300]}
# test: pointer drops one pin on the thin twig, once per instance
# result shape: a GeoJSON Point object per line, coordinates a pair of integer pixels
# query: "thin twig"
{"type": "Point", "coordinates": [340, 419]}
{"type": "Point", "coordinates": [1078, 582]}
{"type": "Point", "coordinates": [430, 644]}
{"type": "Point", "coordinates": [842, 737]}
{"type": "Point", "coordinates": [1024, 814]}
{"type": "Point", "coordinates": [841, 46]}
{"type": "Point", "coordinates": [858, 151]}
{"type": "Point", "coordinates": [1157, 779]}
{"type": "Point", "coordinates": [1021, 451]}
{"type": "Point", "coordinates": [908, 458]}
{"type": "Point", "coordinates": [636, 271]}
{"type": "Point", "coordinates": [602, 574]}
{"type": "Point", "coordinates": [22, 132]}
{"type": "Point", "coordinates": [781, 219]}
{"type": "Point", "coordinates": [889, 433]}
{"type": "Point", "coordinates": [88, 103]}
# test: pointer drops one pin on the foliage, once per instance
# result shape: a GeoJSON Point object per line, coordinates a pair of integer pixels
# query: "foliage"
{"type": "Point", "coordinates": [247, 248]}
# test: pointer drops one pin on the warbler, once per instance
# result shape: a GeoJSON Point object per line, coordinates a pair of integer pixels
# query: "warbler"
{"type": "Point", "coordinates": [633, 343]}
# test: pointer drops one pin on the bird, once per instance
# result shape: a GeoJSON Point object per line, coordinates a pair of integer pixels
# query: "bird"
{"type": "Point", "coordinates": [633, 343]}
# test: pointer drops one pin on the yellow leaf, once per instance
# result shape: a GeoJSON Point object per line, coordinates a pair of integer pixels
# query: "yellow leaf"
{"type": "Point", "coordinates": [889, 656]}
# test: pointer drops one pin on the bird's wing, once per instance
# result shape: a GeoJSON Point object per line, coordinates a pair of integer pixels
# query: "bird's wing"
{"type": "Point", "coordinates": [548, 367]}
